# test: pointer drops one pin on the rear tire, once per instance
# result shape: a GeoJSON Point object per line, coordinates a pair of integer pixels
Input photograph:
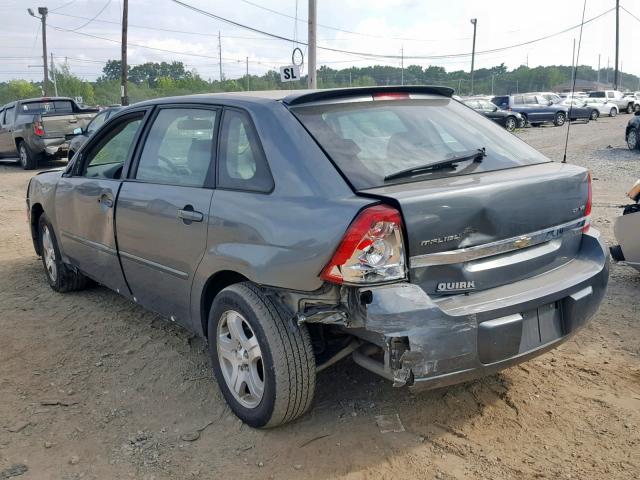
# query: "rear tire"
{"type": "Point", "coordinates": [27, 160]}
{"type": "Point", "coordinates": [559, 119]}
{"type": "Point", "coordinates": [630, 108]}
{"type": "Point", "coordinates": [594, 114]}
{"type": "Point", "coordinates": [61, 277]}
{"type": "Point", "coordinates": [244, 323]}
{"type": "Point", "coordinates": [613, 112]}
{"type": "Point", "coordinates": [633, 139]}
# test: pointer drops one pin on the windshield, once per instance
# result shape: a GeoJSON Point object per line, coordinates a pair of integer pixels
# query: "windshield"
{"type": "Point", "coordinates": [596, 95]}
{"type": "Point", "coordinates": [371, 140]}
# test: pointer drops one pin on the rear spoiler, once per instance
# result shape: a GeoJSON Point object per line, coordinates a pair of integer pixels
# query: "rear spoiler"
{"type": "Point", "coordinates": [334, 94]}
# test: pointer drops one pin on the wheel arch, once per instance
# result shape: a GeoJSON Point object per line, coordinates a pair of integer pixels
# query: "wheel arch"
{"type": "Point", "coordinates": [36, 212]}
{"type": "Point", "coordinates": [212, 287]}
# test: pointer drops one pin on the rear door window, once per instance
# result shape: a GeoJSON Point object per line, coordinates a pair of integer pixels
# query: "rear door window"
{"type": "Point", "coordinates": [179, 148]}
{"type": "Point", "coordinates": [530, 99]}
{"type": "Point", "coordinates": [370, 140]}
{"type": "Point", "coordinates": [242, 164]}
{"type": "Point", "coordinates": [518, 100]}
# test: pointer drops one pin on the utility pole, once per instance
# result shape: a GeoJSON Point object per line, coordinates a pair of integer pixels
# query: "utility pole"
{"type": "Point", "coordinates": [124, 98]}
{"type": "Point", "coordinates": [492, 77]}
{"type": "Point", "coordinates": [248, 85]}
{"type": "Point", "coordinates": [312, 24]}
{"type": "Point", "coordinates": [598, 70]}
{"type": "Point", "coordinates": [615, 74]}
{"type": "Point", "coordinates": [53, 76]}
{"type": "Point", "coordinates": [607, 71]}
{"type": "Point", "coordinates": [573, 64]}
{"type": "Point", "coordinates": [402, 65]}
{"type": "Point", "coordinates": [43, 11]}
{"type": "Point", "coordinates": [474, 22]}
{"type": "Point", "coordinates": [220, 55]}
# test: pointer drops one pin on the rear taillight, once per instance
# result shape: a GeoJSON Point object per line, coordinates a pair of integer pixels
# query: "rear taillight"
{"type": "Point", "coordinates": [371, 251]}
{"type": "Point", "coordinates": [587, 208]}
{"type": "Point", "coordinates": [38, 129]}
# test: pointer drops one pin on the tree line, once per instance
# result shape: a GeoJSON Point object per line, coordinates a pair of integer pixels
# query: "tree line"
{"type": "Point", "coordinates": [151, 80]}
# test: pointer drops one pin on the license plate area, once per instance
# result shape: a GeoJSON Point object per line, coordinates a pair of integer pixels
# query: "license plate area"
{"type": "Point", "coordinates": [506, 337]}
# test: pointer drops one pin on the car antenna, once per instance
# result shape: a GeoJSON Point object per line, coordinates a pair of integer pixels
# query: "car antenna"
{"type": "Point", "coordinates": [573, 86]}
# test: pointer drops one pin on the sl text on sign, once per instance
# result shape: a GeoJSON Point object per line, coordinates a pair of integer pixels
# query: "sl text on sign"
{"type": "Point", "coordinates": [290, 73]}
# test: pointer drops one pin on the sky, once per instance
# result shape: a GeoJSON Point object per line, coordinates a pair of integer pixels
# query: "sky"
{"type": "Point", "coordinates": [409, 28]}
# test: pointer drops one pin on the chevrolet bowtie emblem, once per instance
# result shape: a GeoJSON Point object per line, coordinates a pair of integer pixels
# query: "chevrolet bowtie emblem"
{"type": "Point", "coordinates": [522, 242]}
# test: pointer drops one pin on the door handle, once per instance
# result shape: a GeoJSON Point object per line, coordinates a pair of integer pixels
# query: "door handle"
{"type": "Point", "coordinates": [188, 215]}
{"type": "Point", "coordinates": [105, 200]}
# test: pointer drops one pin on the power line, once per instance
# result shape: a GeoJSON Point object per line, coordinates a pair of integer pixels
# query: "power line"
{"type": "Point", "coordinates": [63, 6]}
{"type": "Point", "coordinates": [328, 27]}
{"type": "Point", "coordinates": [373, 55]}
{"type": "Point", "coordinates": [94, 17]}
{"type": "Point", "coordinates": [634, 16]}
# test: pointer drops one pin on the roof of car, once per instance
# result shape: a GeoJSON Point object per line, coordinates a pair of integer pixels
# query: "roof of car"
{"type": "Point", "coordinates": [297, 97]}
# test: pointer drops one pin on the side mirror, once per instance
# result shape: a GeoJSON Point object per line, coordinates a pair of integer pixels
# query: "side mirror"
{"type": "Point", "coordinates": [77, 131]}
{"type": "Point", "coordinates": [495, 109]}
{"type": "Point", "coordinates": [549, 103]}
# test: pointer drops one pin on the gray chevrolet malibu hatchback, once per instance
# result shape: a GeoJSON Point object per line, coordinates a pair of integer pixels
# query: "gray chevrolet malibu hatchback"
{"type": "Point", "coordinates": [293, 229]}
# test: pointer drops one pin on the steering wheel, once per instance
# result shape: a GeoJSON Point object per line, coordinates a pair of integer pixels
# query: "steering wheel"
{"type": "Point", "coordinates": [170, 166]}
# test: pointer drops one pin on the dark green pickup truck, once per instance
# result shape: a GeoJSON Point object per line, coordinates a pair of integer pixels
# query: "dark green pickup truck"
{"type": "Point", "coordinates": [35, 128]}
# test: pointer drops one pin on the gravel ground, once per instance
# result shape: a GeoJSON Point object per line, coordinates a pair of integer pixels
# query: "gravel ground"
{"type": "Point", "coordinates": [94, 387]}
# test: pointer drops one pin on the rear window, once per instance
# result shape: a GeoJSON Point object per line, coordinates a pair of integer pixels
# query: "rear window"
{"type": "Point", "coordinates": [373, 139]}
{"type": "Point", "coordinates": [47, 107]}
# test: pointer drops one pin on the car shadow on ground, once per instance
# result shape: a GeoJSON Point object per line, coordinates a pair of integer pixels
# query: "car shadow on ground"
{"type": "Point", "coordinates": [119, 347]}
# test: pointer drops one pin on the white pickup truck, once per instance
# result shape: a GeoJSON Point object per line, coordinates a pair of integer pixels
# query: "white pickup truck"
{"type": "Point", "coordinates": [624, 104]}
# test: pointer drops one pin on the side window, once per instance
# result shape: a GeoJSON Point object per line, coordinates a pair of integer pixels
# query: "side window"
{"type": "Point", "coordinates": [97, 121]}
{"type": "Point", "coordinates": [179, 147]}
{"type": "Point", "coordinates": [518, 100]}
{"type": "Point", "coordinates": [530, 99]}
{"type": "Point", "coordinates": [8, 115]}
{"type": "Point", "coordinates": [2, 117]}
{"type": "Point", "coordinates": [610, 95]}
{"type": "Point", "coordinates": [106, 158]}
{"type": "Point", "coordinates": [241, 162]}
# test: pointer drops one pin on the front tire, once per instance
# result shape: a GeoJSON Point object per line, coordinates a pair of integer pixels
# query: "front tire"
{"type": "Point", "coordinates": [61, 277]}
{"type": "Point", "coordinates": [613, 112]}
{"type": "Point", "coordinates": [263, 361]}
{"type": "Point", "coordinates": [630, 108]}
{"type": "Point", "coordinates": [510, 124]}
{"type": "Point", "coordinates": [594, 115]}
{"type": "Point", "coordinates": [559, 119]}
{"type": "Point", "coordinates": [27, 160]}
{"type": "Point", "coordinates": [633, 139]}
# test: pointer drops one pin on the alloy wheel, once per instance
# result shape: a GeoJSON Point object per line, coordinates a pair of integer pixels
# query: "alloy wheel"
{"type": "Point", "coordinates": [510, 124]}
{"type": "Point", "coordinates": [632, 139]}
{"type": "Point", "coordinates": [49, 254]}
{"type": "Point", "coordinates": [23, 155]}
{"type": "Point", "coordinates": [594, 115]}
{"type": "Point", "coordinates": [240, 359]}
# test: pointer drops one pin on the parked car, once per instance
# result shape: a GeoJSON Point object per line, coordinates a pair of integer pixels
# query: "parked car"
{"type": "Point", "coordinates": [632, 132]}
{"type": "Point", "coordinates": [295, 228]}
{"type": "Point", "coordinates": [616, 97]}
{"type": "Point", "coordinates": [509, 120]}
{"type": "Point", "coordinates": [580, 110]}
{"type": "Point", "coordinates": [80, 135]}
{"type": "Point", "coordinates": [604, 107]}
{"type": "Point", "coordinates": [635, 96]}
{"type": "Point", "coordinates": [35, 128]}
{"type": "Point", "coordinates": [535, 109]}
{"type": "Point", "coordinates": [627, 231]}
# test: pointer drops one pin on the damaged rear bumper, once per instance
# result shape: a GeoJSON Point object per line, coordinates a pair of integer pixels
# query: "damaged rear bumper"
{"type": "Point", "coordinates": [457, 338]}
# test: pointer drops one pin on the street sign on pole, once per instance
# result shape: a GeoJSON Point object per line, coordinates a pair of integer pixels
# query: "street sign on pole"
{"type": "Point", "coordinates": [290, 73]}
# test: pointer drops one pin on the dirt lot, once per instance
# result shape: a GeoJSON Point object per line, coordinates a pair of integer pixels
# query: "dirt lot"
{"type": "Point", "coordinates": [94, 387]}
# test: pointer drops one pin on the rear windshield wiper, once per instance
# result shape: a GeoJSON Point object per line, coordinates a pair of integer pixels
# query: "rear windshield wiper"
{"type": "Point", "coordinates": [450, 162]}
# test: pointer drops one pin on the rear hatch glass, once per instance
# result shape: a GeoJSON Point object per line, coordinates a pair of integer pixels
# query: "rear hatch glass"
{"type": "Point", "coordinates": [370, 141]}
